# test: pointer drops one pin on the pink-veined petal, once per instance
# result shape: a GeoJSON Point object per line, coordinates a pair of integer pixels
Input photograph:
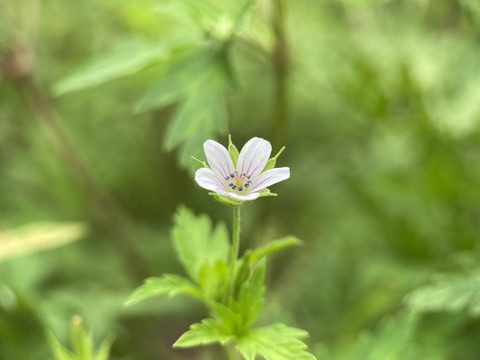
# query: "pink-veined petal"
{"type": "Point", "coordinates": [253, 157]}
{"type": "Point", "coordinates": [218, 159]}
{"type": "Point", "coordinates": [270, 177]}
{"type": "Point", "coordinates": [208, 180]}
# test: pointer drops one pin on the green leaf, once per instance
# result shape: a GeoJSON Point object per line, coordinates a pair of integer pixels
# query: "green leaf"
{"type": "Point", "coordinates": [83, 344]}
{"type": "Point", "coordinates": [202, 115]}
{"type": "Point", "coordinates": [230, 319]}
{"type": "Point", "coordinates": [250, 297]}
{"type": "Point", "coordinates": [274, 342]}
{"type": "Point", "coordinates": [104, 348]}
{"type": "Point", "coordinates": [196, 243]}
{"type": "Point", "coordinates": [242, 310]}
{"type": "Point", "coordinates": [453, 292]}
{"type": "Point", "coordinates": [177, 81]}
{"type": "Point", "coordinates": [167, 284]}
{"type": "Point", "coordinates": [209, 331]}
{"type": "Point", "coordinates": [127, 59]}
{"type": "Point", "coordinates": [272, 247]}
{"type": "Point", "coordinates": [59, 352]}
{"type": "Point", "coordinates": [213, 280]}
{"type": "Point", "coordinates": [395, 337]}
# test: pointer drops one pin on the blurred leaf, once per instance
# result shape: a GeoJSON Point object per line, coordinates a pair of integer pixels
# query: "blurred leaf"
{"type": "Point", "coordinates": [39, 236]}
{"type": "Point", "coordinates": [83, 345]}
{"type": "Point", "coordinates": [179, 77]}
{"type": "Point", "coordinates": [453, 292]}
{"type": "Point", "coordinates": [201, 116]}
{"type": "Point", "coordinates": [167, 284]}
{"type": "Point", "coordinates": [394, 338]}
{"type": "Point", "coordinates": [274, 342]}
{"type": "Point", "coordinates": [473, 7]}
{"type": "Point", "coordinates": [197, 243]}
{"type": "Point", "coordinates": [58, 350]}
{"type": "Point", "coordinates": [127, 59]}
{"type": "Point", "coordinates": [209, 331]}
{"type": "Point", "coordinates": [218, 19]}
{"type": "Point", "coordinates": [103, 352]}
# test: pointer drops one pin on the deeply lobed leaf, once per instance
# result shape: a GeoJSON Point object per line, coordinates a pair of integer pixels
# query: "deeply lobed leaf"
{"type": "Point", "coordinates": [207, 332]}
{"type": "Point", "coordinates": [167, 284]}
{"type": "Point", "coordinates": [274, 342]}
{"type": "Point", "coordinates": [197, 243]}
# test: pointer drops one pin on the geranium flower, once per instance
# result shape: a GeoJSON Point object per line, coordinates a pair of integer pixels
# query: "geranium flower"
{"type": "Point", "coordinates": [235, 178]}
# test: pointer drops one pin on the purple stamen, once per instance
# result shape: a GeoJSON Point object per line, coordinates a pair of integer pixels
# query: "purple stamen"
{"type": "Point", "coordinates": [226, 178]}
{"type": "Point", "coordinates": [232, 176]}
{"type": "Point", "coordinates": [249, 176]}
{"type": "Point", "coordinates": [231, 184]}
{"type": "Point", "coordinates": [240, 188]}
{"type": "Point", "coordinates": [234, 187]}
{"type": "Point", "coordinates": [247, 185]}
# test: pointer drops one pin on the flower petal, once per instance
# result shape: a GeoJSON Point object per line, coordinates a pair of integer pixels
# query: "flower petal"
{"type": "Point", "coordinates": [270, 177]}
{"type": "Point", "coordinates": [250, 196]}
{"type": "Point", "coordinates": [253, 157]}
{"type": "Point", "coordinates": [208, 180]}
{"type": "Point", "coordinates": [218, 159]}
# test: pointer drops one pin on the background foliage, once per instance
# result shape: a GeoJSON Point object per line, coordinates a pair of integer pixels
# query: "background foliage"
{"type": "Point", "coordinates": [377, 101]}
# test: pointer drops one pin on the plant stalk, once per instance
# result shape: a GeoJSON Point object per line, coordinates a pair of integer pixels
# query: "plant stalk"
{"type": "Point", "coordinates": [280, 60]}
{"type": "Point", "coordinates": [235, 247]}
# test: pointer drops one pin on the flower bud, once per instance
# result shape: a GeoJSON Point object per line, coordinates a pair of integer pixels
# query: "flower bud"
{"type": "Point", "coordinates": [232, 151]}
{"type": "Point", "coordinates": [271, 162]}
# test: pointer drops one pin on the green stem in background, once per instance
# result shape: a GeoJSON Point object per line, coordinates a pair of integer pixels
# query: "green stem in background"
{"type": "Point", "coordinates": [16, 65]}
{"type": "Point", "coordinates": [280, 59]}
{"type": "Point", "coordinates": [235, 247]}
{"type": "Point", "coordinates": [109, 216]}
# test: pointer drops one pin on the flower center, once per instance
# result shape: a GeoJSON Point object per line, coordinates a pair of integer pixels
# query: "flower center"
{"type": "Point", "coordinates": [238, 183]}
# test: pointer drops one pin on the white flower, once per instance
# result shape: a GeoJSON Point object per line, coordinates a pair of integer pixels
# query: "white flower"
{"type": "Point", "coordinates": [244, 180]}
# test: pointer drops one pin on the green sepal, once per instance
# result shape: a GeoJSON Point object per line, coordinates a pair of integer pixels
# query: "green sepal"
{"type": "Point", "coordinates": [200, 162]}
{"type": "Point", "coordinates": [266, 192]}
{"type": "Point", "coordinates": [233, 151]}
{"type": "Point", "coordinates": [226, 200]}
{"type": "Point", "coordinates": [271, 162]}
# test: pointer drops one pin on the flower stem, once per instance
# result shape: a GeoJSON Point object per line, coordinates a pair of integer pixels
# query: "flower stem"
{"type": "Point", "coordinates": [235, 247]}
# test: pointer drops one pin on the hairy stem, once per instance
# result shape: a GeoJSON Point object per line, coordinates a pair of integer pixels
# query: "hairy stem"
{"type": "Point", "coordinates": [235, 247]}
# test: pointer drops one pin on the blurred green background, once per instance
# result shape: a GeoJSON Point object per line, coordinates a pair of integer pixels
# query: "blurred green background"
{"type": "Point", "coordinates": [102, 102]}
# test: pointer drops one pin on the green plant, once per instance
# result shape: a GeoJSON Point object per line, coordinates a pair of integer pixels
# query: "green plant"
{"type": "Point", "coordinates": [231, 287]}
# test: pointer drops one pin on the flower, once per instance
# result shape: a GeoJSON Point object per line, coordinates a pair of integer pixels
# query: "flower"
{"type": "Point", "coordinates": [235, 178]}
